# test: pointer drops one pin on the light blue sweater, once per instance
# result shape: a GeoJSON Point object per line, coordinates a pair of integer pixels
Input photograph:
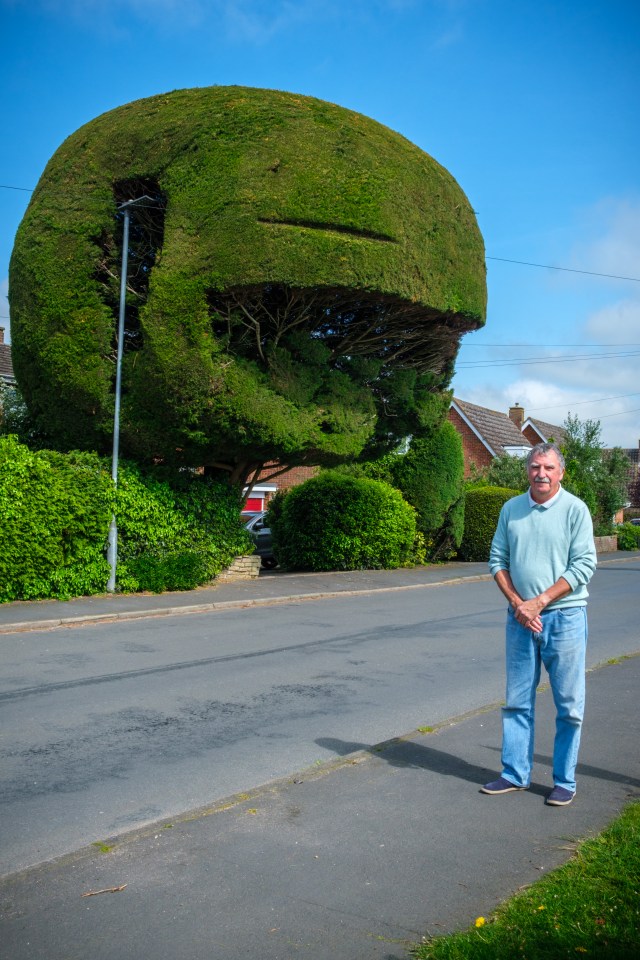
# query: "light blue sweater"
{"type": "Point", "coordinates": [538, 545]}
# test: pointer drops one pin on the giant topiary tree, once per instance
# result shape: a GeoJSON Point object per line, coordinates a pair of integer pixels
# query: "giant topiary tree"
{"type": "Point", "coordinates": [300, 277]}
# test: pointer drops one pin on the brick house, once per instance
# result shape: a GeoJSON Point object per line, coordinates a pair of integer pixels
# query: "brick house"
{"type": "Point", "coordinates": [486, 434]}
{"type": "Point", "coordinates": [263, 491]}
{"type": "Point", "coordinates": [537, 431]}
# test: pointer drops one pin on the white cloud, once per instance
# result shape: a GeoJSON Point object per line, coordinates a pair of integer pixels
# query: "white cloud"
{"type": "Point", "coordinates": [613, 226]}
{"type": "Point", "coordinates": [604, 386]}
{"type": "Point", "coordinates": [618, 322]}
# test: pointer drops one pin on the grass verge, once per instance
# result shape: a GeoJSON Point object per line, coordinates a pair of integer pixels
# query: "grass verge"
{"type": "Point", "coordinates": [590, 907]}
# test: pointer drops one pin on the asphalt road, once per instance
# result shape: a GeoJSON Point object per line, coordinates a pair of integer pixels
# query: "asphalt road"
{"type": "Point", "coordinates": [108, 727]}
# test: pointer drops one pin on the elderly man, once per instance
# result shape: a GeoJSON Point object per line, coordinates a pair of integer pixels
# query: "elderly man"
{"type": "Point", "coordinates": [542, 557]}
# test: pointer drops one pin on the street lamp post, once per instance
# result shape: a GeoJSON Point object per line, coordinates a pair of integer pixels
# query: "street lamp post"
{"type": "Point", "coordinates": [112, 548]}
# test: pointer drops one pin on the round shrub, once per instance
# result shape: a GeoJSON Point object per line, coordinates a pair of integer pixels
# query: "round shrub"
{"type": "Point", "coordinates": [628, 535]}
{"type": "Point", "coordinates": [481, 512]}
{"type": "Point", "coordinates": [338, 522]}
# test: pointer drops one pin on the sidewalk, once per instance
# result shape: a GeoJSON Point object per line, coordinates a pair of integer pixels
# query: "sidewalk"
{"type": "Point", "coordinates": [355, 860]}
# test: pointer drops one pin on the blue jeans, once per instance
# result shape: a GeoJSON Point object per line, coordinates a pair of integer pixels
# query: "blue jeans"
{"type": "Point", "coordinates": [562, 648]}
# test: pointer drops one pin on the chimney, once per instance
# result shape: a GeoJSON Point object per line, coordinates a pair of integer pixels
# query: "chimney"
{"type": "Point", "coordinates": [516, 413]}
{"type": "Point", "coordinates": [1, 334]}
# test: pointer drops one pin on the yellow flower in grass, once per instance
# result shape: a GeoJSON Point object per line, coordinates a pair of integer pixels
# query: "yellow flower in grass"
{"type": "Point", "coordinates": [480, 921]}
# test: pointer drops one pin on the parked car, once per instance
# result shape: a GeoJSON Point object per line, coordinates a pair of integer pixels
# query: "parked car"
{"type": "Point", "coordinates": [635, 521]}
{"type": "Point", "coordinates": [261, 536]}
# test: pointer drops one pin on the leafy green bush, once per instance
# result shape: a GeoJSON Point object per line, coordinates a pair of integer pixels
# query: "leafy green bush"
{"type": "Point", "coordinates": [338, 522]}
{"type": "Point", "coordinates": [429, 477]}
{"type": "Point", "coordinates": [174, 532]}
{"type": "Point", "coordinates": [504, 471]}
{"type": "Point", "coordinates": [481, 512]}
{"type": "Point", "coordinates": [628, 536]}
{"type": "Point", "coordinates": [448, 538]}
{"type": "Point", "coordinates": [604, 529]}
{"type": "Point", "coordinates": [54, 517]}
{"type": "Point", "coordinates": [597, 476]}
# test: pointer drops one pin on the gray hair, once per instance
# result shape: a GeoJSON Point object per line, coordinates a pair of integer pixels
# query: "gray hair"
{"type": "Point", "coordinates": [546, 448]}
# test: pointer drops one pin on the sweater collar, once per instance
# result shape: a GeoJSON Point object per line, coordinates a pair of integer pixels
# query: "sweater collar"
{"type": "Point", "coordinates": [546, 504]}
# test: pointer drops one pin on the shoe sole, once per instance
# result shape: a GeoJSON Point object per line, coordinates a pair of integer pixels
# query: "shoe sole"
{"type": "Point", "coordinates": [497, 793]}
{"type": "Point", "coordinates": [559, 803]}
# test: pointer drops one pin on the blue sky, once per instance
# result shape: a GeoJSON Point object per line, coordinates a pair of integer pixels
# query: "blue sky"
{"type": "Point", "coordinates": [533, 107]}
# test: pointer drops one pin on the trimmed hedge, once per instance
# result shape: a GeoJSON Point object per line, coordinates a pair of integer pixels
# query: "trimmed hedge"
{"type": "Point", "coordinates": [338, 522]}
{"type": "Point", "coordinates": [481, 511]}
{"type": "Point", "coordinates": [174, 533]}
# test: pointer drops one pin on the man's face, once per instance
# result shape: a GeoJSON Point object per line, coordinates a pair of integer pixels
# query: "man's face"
{"type": "Point", "coordinates": [545, 474]}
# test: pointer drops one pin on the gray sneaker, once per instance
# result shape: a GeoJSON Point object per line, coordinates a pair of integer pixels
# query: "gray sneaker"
{"type": "Point", "coordinates": [501, 785]}
{"type": "Point", "coordinates": [559, 797]}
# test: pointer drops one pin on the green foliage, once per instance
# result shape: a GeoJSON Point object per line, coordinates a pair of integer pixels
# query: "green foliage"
{"type": "Point", "coordinates": [628, 535]}
{"type": "Point", "coordinates": [429, 476]}
{"type": "Point", "coordinates": [597, 477]}
{"type": "Point", "coordinates": [54, 518]}
{"type": "Point", "coordinates": [300, 279]}
{"type": "Point", "coordinates": [448, 538]}
{"type": "Point", "coordinates": [339, 522]}
{"type": "Point", "coordinates": [503, 471]}
{"type": "Point", "coordinates": [175, 532]}
{"type": "Point", "coordinates": [481, 512]}
{"type": "Point", "coordinates": [15, 419]}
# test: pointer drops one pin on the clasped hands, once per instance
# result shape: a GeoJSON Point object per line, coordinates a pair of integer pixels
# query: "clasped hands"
{"type": "Point", "coordinates": [527, 613]}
